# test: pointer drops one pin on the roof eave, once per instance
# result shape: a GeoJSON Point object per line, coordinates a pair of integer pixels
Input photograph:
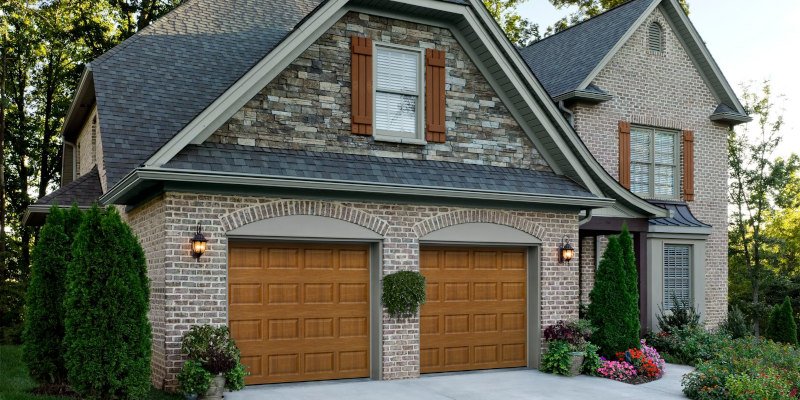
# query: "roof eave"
{"type": "Point", "coordinates": [731, 118]}
{"type": "Point", "coordinates": [129, 187]}
{"type": "Point", "coordinates": [81, 105]}
{"type": "Point", "coordinates": [36, 214]}
{"type": "Point", "coordinates": [584, 96]}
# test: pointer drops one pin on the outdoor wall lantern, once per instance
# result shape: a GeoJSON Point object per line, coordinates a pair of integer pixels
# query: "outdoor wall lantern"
{"type": "Point", "coordinates": [198, 244]}
{"type": "Point", "coordinates": [567, 252]}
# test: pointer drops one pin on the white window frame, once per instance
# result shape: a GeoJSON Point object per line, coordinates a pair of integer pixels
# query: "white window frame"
{"type": "Point", "coordinates": [396, 136]}
{"type": "Point", "coordinates": [676, 175]}
{"type": "Point", "coordinates": [667, 305]}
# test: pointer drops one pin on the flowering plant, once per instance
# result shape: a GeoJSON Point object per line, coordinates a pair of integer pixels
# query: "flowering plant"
{"type": "Point", "coordinates": [616, 370]}
{"type": "Point", "coordinates": [646, 361]}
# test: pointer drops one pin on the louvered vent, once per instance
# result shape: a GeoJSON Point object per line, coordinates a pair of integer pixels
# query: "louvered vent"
{"type": "Point", "coordinates": [676, 275]}
{"type": "Point", "coordinates": [655, 38]}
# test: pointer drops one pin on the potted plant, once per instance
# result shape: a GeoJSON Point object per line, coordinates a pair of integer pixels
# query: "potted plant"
{"type": "Point", "coordinates": [215, 351]}
{"type": "Point", "coordinates": [568, 341]}
{"type": "Point", "coordinates": [193, 380]}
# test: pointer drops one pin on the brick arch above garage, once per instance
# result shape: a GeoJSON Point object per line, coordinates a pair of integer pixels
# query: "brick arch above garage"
{"type": "Point", "coordinates": [458, 217]}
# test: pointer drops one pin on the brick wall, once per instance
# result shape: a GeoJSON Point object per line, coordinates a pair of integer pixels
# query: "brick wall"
{"type": "Point", "coordinates": [86, 151]}
{"type": "Point", "coordinates": [196, 292]}
{"type": "Point", "coordinates": [666, 91]}
{"type": "Point", "coordinates": [308, 105]}
{"type": "Point", "coordinates": [588, 262]}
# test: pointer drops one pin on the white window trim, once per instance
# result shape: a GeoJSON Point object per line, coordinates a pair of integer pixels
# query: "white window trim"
{"type": "Point", "coordinates": [394, 136]}
{"type": "Point", "coordinates": [676, 176]}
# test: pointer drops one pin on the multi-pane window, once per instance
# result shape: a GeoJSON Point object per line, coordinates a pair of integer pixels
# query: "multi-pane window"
{"type": "Point", "coordinates": [677, 269]}
{"type": "Point", "coordinates": [654, 163]}
{"type": "Point", "coordinates": [397, 92]}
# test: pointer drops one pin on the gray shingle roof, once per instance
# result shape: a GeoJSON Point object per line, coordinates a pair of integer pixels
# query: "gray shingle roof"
{"type": "Point", "coordinates": [380, 170]}
{"type": "Point", "coordinates": [153, 84]}
{"type": "Point", "coordinates": [681, 216]}
{"type": "Point", "coordinates": [562, 61]}
{"type": "Point", "coordinates": [85, 191]}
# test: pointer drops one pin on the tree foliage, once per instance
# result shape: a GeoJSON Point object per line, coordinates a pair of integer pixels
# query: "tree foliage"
{"type": "Point", "coordinates": [613, 309]}
{"type": "Point", "coordinates": [782, 326]}
{"type": "Point", "coordinates": [44, 324]}
{"type": "Point", "coordinates": [107, 336]}
{"type": "Point", "coordinates": [589, 9]}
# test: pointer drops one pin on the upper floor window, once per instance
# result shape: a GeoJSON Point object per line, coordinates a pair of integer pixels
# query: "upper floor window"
{"type": "Point", "coordinates": [398, 91]}
{"type": "Point", "coordinates": [654, 161]}
{"type": "Point", "coordinates": [655, 38]}
{"type": "Point", "coordinates": [677, 272]}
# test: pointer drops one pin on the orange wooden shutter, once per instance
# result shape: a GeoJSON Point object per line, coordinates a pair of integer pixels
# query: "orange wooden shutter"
{"type": "Point", "coordinates": [625, 154]}
{"type": "Point", "coordinates": [434, 96]}
{"type": "Point", "coordinates": [688, 165]}
{"type": "Point", "coordinates": [361, 85]}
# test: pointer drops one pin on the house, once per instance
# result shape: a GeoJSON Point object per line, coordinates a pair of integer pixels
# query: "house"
{"type": "Point", "coordinates": [320, 145]}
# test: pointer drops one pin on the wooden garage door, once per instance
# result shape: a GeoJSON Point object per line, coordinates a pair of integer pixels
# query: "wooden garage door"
{"type": "Point", "coordinates": [475, 314]}
{"type": "Point", "coordinates": [300, 312]}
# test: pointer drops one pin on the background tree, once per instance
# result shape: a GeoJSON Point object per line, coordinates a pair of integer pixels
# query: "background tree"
{"type": "Point", "coordinates": [782, 326]}
{"type": "Point", "coordinates": [107, 335]}
{"type": "Point", "coordinates": [756, 185]}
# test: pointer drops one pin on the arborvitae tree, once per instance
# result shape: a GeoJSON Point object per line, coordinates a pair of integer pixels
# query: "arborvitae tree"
{"type": "Point", "coordinates": [44, 320]}
{"type": "Point", "coordinates": [782, 326]}
{"type": "Point", "coordinates": [610, 310]}
{"type": "Point", "coordinates": [631, 283]}
{"type": "Point", "coordinates": [107, 333]}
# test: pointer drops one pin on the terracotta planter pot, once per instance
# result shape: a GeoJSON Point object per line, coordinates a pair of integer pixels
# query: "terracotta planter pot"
{"type": "Point", "coordinates": [216, 389]}
{"type": "Point", "coordinates": [577, 360]}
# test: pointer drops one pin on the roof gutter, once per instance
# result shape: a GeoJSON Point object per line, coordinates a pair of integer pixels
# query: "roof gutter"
{"type": "Point", "coordinates": [731, 118]}
{"type": "Point", "coordinates": [127, 187]}
{"type": "Point", "coordinates": [586, 96]}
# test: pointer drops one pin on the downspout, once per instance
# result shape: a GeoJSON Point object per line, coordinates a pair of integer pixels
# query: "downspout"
{"type": "Point", "coordinates": [587, 218]}
{"type": "Point", "coordinates": [570, 115]}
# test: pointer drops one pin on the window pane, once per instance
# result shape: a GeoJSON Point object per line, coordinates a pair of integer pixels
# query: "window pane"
{"type": "Point", "coordinates": [665, 180]}
{"type": "Point", "coordinates": [677, 282]}
{"type": "Point", "coordinates": [640, 146]}
{"type": "Point", "coordinates": [396, 112]}
{"type": "Point", "coordinates": [640, 178]}
{"type": "Point", "coordinates": [665, 148]}
{"type": "Point", "coordinates": [397, 70]}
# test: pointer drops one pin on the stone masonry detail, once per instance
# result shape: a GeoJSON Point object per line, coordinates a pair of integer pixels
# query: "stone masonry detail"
{"type": "Point", "coordinates": [666, 91]}
{"type": "Point", "coordinates": [307, 106]}
{"type": "Point", "coordinates": [195, 292]}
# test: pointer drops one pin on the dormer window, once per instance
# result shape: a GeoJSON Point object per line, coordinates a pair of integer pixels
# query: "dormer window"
{"type": "Point", "coordinates": [398, 91]}
{"type": "Point", "coordinates": [655, 38]}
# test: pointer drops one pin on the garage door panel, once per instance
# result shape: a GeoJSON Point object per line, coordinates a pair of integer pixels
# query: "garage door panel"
{"type": "Point", "coordinates": [302, 313]}
{"type": "Point", "coordinates": [475, 314]}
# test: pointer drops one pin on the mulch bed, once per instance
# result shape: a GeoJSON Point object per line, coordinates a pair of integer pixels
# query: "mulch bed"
{"type": "Point", "coordinates": [54, 390]}
{"type": "Point", "coordinates": [640, 380]}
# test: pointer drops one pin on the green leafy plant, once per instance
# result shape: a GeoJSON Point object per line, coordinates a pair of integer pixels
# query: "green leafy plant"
{"type": "Point", "coordinates": [766, 384]}
{"type": "Point", "coordinates": [107, 334]}
{"type": "Point", "coordinates": [403, 293]}
{"type": "Point", "coordinates": [576, 333]}
{"type": "Point", "coordinates": [234, 379]}
{"type": "Point", "coordinates": [194, 379]}
{"type": "Point", "coordinates": [558, 358]}
{"type": "Point", "coordinates": [736, 325]}
{"type": "Point", "coordinates": [591, 362]}
{"type": "Point", "coordinates": [612, 308]}
{"type": "Point", "coordinates": [212, 347]}
{"type": "Point", "coordinates": [44, 324]}
{"type": "Point", "coordinates": [782, 326]}
{"type": "Point", "coordinates": [682, 316]}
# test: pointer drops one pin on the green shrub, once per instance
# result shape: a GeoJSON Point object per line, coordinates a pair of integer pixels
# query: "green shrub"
{"type": "Point", "coordinates": [682, 316]}
{"type": "Point", "coordinates": [194, 379]}
{"type": "Point", "coordinates": [689, 346]}
{"type": "Point", "coordinates": [764, 385]}
{"type": "Point", "coordinates": [403, 293]}
{"type": "Point", "coordinates": [212, 347]}
{"type": "Point", "coordinates": [591, 363]}
{"type": "Point", "coordinates": [558, 358]}
{"type": "Point", "coordinates": [234, 379]}
{"type": "Point", "coordinates": [612, 307]}
{"type": "Point", "coordinates": [736, 325]}
{"type": "Point", "coordinates": [43, 350]}
{"type": "Point", "coordinates": [107, 336]}
{"type": "Point", "coordinates": [782, 326]}
{"type": "Point", "coordinates": [631, 318]}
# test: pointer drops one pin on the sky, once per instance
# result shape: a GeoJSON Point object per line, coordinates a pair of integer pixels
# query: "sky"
{"type": "Point", "coordinates": [751, 41]}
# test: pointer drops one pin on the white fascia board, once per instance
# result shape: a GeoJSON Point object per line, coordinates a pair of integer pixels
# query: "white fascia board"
{"type": "Point", "coordinates": [225, 106]}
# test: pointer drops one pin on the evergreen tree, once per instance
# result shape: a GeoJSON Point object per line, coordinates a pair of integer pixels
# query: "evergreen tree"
{"type": "Point", "coordinates": [107, 333]}
{"type": "Point", "coordinates": [44, 321]}
{"type": "Point", "coordinates": [610, 308]}
{"type": "Point", "coordinates": [632, 324]}
{"type": "Point", "coordinates": [782, 326]}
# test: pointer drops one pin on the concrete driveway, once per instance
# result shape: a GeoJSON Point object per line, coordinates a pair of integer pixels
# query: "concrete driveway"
{"type": "Point", "coordinates": [505, 384]}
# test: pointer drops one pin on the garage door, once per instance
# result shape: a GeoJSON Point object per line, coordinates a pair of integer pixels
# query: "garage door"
{"type": "Point", "coordinates": [475, 314]}
{"type": "Point", "coordinates": [300, 312]}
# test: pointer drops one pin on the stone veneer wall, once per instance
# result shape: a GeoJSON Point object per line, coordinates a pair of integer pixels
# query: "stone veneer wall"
{"type": "Point", "coordinates": [307, 106]}
{"type": "Point", "coordinates": [148, 222]}
{"type": "Point", "coordinates": [666, 91]}
{"type": "Point", "coordinates": [196, 292]}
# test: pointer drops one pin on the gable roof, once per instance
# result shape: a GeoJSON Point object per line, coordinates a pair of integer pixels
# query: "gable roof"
{"type": "Point", "coordinates": [564, 60]}
{"type": "Point", "coordinates": [569, 60]}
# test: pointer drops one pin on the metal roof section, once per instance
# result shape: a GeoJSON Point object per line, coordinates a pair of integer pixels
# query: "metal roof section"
{"type": "Point", "coordinates": [682, 220]}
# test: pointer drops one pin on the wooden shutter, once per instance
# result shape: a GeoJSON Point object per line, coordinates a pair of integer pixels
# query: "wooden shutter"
{"type": "Point", "coordinates": [688, 165]}
{"type": "Point", "coordinates": [361, 85]}
{"type": "Point", "coordinates": [625, 154]}
{"type": "Point", "coordinates": [434, 96]}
